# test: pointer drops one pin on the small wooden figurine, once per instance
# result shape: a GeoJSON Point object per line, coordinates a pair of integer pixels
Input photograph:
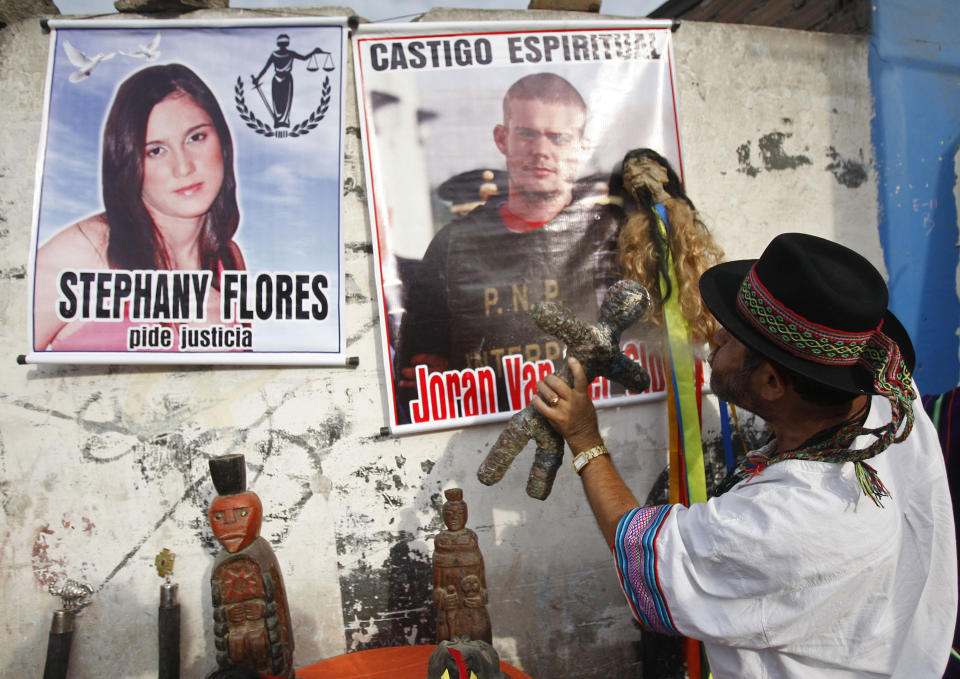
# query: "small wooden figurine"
{"type": "Point", "coordinates": [251, 616]}
{"type": "Point", "coordinates": [459, 580]}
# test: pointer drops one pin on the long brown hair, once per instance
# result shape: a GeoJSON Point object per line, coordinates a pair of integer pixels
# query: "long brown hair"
{"type": "Point", "coordinates": [134, 241]}
{"type": "Point", "coordinates": [642, 251]}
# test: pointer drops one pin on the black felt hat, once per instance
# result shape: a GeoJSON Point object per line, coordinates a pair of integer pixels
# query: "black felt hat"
{"type": "Point", "coordinates": [827, 285]}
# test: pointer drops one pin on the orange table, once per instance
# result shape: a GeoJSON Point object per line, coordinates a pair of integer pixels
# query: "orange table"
{"type": "Point", "coordinates": [393, 662]}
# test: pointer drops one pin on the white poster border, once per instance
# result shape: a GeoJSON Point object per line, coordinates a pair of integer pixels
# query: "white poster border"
{"type": "Point", "coordinates": [333, 358]}
{"type": "Point", "coordinates": [383, 31]}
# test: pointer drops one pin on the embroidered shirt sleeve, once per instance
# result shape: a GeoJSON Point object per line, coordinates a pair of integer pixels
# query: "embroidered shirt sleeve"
{"type": "Point", "coordinates": [635, 547]}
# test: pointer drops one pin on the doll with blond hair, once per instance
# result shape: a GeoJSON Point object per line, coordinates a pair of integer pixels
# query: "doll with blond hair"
{"type": "Point", "coordinates": [644, 251]}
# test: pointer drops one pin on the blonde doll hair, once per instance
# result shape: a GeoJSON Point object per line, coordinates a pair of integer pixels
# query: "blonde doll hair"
{"type": "Point", "coordinates": [642, 251]}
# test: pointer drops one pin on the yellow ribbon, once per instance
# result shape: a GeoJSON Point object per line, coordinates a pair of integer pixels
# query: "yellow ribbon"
{"type": "Point", "coordinates": [682, 369]}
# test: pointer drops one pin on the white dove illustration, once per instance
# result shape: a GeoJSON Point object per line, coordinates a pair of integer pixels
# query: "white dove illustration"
{"type": "Point", "coordinates": [84, 64]}
{"type": "Point", "coordinates": [150, 51]}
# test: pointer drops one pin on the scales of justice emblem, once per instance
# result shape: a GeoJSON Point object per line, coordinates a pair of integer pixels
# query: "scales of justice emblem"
{"type": "Point", "coordinates": [278, 100]}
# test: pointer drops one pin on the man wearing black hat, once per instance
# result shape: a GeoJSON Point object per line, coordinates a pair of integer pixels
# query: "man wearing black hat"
{"type": "Point", "coordinates": [829, 552]}
{"type": "Point", "coordinates": [469, 305]}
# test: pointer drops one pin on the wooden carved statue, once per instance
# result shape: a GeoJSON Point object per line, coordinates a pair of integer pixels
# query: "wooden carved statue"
{"type": "Point", "coordinates": [250, 611]}
{"type": "Point", "coordinates": [459, 581]}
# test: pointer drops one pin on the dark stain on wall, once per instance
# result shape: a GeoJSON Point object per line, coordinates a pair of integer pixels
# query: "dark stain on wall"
{"type": "Point", "coordinates": [386, 482]}
{"type": "Point", "coordinates": [359, 247]}
{"type": "Point", "coordinates": [714, 464]}
{"type": "Point", "coordinates": [387, 591]}
{"type": "Point", "coordinates": [850, 173]}
{"type": "Point", "coordinates": [354, 187]}
{"type": "Point", "coordinates": [363, 330]}
{"type": "Point", "coordinates": [352, 293]}
{"type": "Point", "coordinates": [661, 655]}
{"type": "Point", "coordinates": [390, 603]}
{"type": "Point", "coordinates": [743, 161]}
{"type": "Point", "coordinates": [15, 273]}
{"type": "Point", "coordinates": [773, 155]}
{"type": "Point", "coordinates": [4, 230]}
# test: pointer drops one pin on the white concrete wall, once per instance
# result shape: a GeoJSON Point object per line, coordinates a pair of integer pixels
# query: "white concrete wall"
{"type": "Point", "coordinates": [102, 467]}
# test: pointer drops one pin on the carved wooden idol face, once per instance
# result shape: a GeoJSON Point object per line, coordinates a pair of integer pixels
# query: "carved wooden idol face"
{"type": "Point", "coordinates": [455, 515]}
{"type": "Point", "coordinates": [235, 519]}
{"type": "Point", "coordinates": [470, 584]}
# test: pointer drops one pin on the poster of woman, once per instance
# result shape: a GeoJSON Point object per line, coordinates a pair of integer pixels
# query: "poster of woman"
{"type": "Point", "coordinates": [493, 155]}
{"type": "Point", "coordinates": [188, 203]}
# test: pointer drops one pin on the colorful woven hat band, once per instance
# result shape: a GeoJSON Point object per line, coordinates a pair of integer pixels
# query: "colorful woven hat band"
{"type": "Point", "coordinates": [872, 350]}
{"type": "Point", "coordinates": [794, 333]}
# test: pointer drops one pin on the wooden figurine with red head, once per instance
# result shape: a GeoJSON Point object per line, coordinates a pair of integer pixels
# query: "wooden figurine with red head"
{"type": "Point", "coordinates": [251, 617]}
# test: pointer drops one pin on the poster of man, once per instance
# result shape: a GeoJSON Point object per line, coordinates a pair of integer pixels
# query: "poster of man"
{"type": "Point", "coordinates": [188, 195]}
{"type": "Point", "coordinates": [494, 156]}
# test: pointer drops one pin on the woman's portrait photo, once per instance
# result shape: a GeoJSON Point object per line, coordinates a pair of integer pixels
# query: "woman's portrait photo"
{"type": "Point", "coordinates": [174, 217]}
{"type": "Point", "coordinates": [170, 199]}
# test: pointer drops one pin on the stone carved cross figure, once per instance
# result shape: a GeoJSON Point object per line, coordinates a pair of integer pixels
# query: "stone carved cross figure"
{"type": "Point", "coordinates": [252, 627]}
{"type": "Point", "coordinates": [597, 347]}
{"type": "Point", "coordinates": [459, 579]}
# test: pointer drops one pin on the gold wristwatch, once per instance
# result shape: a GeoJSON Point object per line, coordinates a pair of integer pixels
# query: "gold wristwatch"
{"type": "Point", "coordinates": [583, 459]}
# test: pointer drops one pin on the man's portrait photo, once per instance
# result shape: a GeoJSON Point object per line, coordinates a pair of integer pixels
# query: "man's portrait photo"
{"type": "Point", "coordinates": [495, 186]}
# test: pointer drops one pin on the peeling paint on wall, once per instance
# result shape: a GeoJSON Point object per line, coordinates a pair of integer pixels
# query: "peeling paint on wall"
{"type": "Point", "coordinates": [851, 173]}
{"type": "Point", "coordinates": [775, 157]}
{"type": "Point", "coordinates": [390, 603]}
{"type": "Point", "coordinates": [351, 186]}
{"type": "Point", "coordinates": [743, 161]}
{"type": "Point", "coordinates": [16, 273]}
{"type": "Point", "coordinates": [164, 450]}
{"type": "Point", "coordinates": [360, 248]}
{"type": "Point", "coordinates": [352, 293]}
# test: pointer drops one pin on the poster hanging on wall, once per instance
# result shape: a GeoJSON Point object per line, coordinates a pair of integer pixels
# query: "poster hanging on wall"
{"type": "Point", "coordinates": [188, 203]}
{"type": "Point", "coordinates": [493, 155]}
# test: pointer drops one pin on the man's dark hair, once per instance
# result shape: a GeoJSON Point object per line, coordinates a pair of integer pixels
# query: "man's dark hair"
{"type": "Point", "coordinates": [832, 401]}
{"type": "Point", "coordinates": [816, 392]}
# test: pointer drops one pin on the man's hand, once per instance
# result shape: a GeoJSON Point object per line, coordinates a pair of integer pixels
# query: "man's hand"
{"type": "Point", "coordinates": [569, 410]}
{"type": "Point", "coordinates": [434, 363]}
